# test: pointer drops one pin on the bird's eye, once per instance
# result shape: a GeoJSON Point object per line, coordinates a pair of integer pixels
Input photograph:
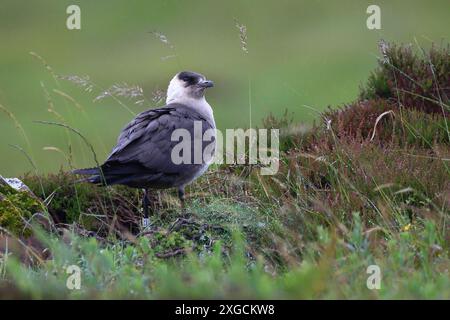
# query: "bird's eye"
{"type": "Point", "coordinates": [188, 77]}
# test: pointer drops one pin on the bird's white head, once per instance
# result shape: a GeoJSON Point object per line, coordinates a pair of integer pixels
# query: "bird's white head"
{"type": "Point", "coordinates": [187, 87]}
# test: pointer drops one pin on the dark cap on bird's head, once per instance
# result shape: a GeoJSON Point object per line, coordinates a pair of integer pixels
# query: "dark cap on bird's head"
{"type": "Point", "coordinates": [189, 84]}
{"type": "Point", "coordinates": [194, 79]}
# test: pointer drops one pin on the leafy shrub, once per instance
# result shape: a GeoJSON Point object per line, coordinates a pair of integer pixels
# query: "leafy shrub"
{"type": "Point", "coordinates": [411, 80]}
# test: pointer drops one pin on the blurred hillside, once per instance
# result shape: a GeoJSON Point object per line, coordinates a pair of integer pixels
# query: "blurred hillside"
{"type": "Point", "coordinates": [312, 53]}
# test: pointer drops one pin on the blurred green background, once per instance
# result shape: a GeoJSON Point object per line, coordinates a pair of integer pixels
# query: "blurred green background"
{"type": "Point", "coordinates": [313, 53]}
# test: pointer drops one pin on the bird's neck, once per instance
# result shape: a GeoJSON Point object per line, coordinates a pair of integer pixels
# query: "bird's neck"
{"type": "Point", "coordinates": [199, 105]}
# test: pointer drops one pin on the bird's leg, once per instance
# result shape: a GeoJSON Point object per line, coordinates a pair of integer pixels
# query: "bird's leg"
{"type": "Point", "coordinates": [181, 197]}
{"type": "Point", "coordinates": [145, 205]}
{"type": "Point", "coordinates": [183, 218]}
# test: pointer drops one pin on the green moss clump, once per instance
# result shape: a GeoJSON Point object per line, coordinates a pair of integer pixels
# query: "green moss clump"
{"type": "Point", "coordinates": [15, 206]}
{"type": "Point", "coordinates": [164, 242]}
{"type": "Point", "coordinates": [71, 200]}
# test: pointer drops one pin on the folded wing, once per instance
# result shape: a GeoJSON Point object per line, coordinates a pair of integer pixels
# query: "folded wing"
{"type": "Point", "coordinates": [142, 155]}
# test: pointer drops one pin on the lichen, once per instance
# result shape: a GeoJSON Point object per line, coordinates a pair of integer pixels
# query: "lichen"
{"type": "Point", "coordinates": [15, 208]}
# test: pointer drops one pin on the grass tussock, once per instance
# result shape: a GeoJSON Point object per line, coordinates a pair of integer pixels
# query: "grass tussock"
{"type": "Point", "coordinates": [415, 79]}
{"type": "Point", "coordinates": [367, 186]}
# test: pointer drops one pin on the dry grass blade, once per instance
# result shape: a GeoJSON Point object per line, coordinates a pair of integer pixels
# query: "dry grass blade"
{"type": "Point", "coordinates": [68, 97]}
{"type": "Point", "coordinates": [32, 164]}
{"type": "Point", "coordinates": [55, 149]}
{"type": "Point", "coordinates": [436, 84]}
{"type": "Point", "coordinates": [170, 56]}
{"type": "Point", "coordinates": [242, 35]}
{"type": "Point", "coordinates": [384, 47]}
{"type": "Point", "coordinates": [51, 107]}
{"type": "Point", "coordinates": [162, 38]}
{"type": "Point", "coordinates": [158, 95]}
{"type": "Point", "coordinates": [46, 65]}
{"type": "Point", "coordinates": [76, 132]}
{"type": "Point", "coordinates": [81, 81]}
{"type": "Point", "coordinates": [378, 120]}
{"type": "Point", "coordinates": [29, 250]}
{"type": "Point", "coordinates": [124, 90]}
{"type": "Point", "coordinates": [16, 124]}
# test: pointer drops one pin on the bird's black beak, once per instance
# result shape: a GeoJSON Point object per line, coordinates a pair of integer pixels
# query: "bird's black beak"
{"type": "Point", "coordinates": [206, 84]}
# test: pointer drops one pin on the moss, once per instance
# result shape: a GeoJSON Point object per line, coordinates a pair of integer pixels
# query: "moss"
{"type": "Point", "coordinates": [71, 201]}
{"type": "Point", "coordinates": [164, 243]}
{"type": "Point", "coordinates": [15, 206]}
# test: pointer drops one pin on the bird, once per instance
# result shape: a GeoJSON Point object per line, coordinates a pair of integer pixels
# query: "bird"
{"type": "Point", "coordinates": [143, 155]}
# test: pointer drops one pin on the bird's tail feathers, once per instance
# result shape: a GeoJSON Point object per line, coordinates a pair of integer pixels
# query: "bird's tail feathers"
{"type": "Point", "coordinates": [93, 173]}
{"type": "Point", "coordinates": [87, 171]}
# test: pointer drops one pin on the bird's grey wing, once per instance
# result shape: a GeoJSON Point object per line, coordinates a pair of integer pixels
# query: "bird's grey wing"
{"type": "Point", "coordinates": [146, 141]}
{"type": "Point", "coordinates": [140, 125]}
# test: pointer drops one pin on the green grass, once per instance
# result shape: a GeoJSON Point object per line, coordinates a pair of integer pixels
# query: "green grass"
{"type": "Point", "coordinates": [413, 265]}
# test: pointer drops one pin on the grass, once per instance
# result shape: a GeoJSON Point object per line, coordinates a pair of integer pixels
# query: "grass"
{"type": "Point", "coordinates": [369, 185]}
